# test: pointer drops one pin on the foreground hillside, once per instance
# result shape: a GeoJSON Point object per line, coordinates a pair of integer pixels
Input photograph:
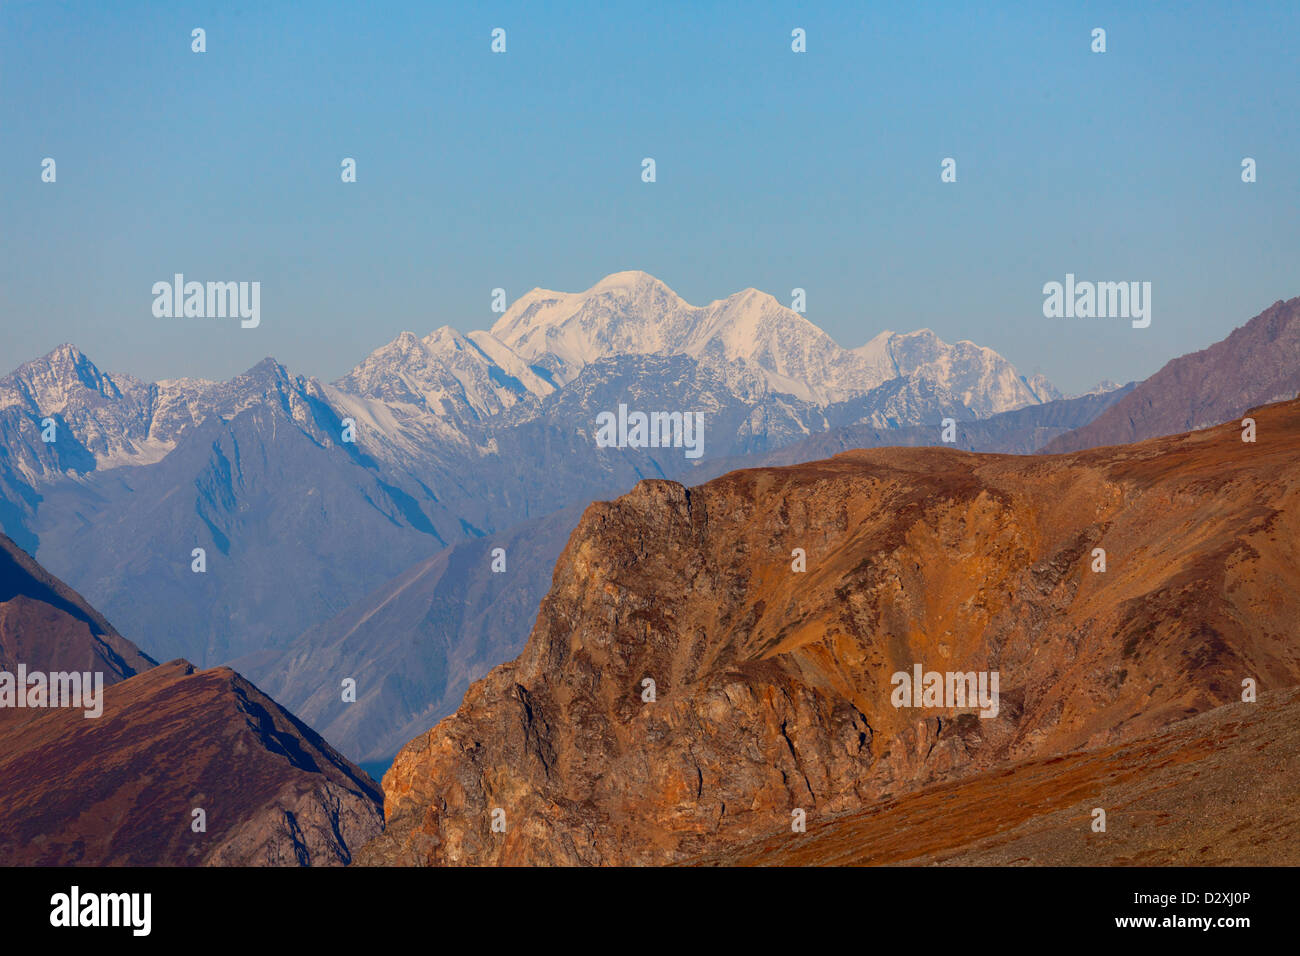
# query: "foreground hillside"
{"type": "Point", "coordinates": [116, 775]}
{"type": "Point", "coordinates": [47, 626]}
{"type": "Point", "coordinates": [773, 687]}
{"type": "Point", "coordinates": [1214, 790]}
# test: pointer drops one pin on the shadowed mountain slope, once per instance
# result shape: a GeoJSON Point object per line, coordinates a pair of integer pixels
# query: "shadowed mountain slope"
{"type": "Point", "coordinates": [1257, 364]}
{"type": "Point", "coordinates": [122, 787]}
{"type": "Point", "coordinates": [47, 626]}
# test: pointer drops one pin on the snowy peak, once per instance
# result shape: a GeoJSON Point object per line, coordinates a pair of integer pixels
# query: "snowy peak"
{"type": "Point", "coordinates": [973, 375]}
{"type": "Point", "coordinates": [415, 393]}
{"type": "Point", "coordinates": [1105, 386]}
{"type": "Point", "coordinates": [627, 313]}
{"type": "Point", "coordinates": [1045, 391]}
{"type": "Point", "coordinates": [54, 381]}
{"type": "Point", "coordinates": [632, 313]}
{"type": "Point", "coordinates": [633, 283]}
{"type": "Point", "coordinates": [99, 419]}
{"type": "Point", "coordinates": [107, 421]}
{"type": "Point", "coordinates": [446, 374]}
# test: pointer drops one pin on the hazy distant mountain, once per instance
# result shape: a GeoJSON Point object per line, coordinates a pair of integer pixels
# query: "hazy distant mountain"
{"type": "Point", "coordinates": [293, 523]}
{"type": "Point", "coordinates": [1018, 432]}
{"type": "Point", "coordinates": [416, 643]}
{"type": "Point", "coordinates": [1258, 363]}
{"type": "Point", "coordinates": [1101, 388]}
{"type": "Point", "coordinates": [1044, 390]}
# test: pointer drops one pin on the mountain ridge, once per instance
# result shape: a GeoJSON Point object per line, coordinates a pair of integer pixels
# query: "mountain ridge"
{"type": "Point", "coordinates": [773, 685]}
{"type": "Point", "coordinates": [1254, 365]}
{"type": "Point", "coordinates": [116, 780]}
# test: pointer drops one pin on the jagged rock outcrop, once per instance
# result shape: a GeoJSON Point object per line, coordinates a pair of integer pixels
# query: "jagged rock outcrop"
{"type": "Point", "coordinates": [773, 687]}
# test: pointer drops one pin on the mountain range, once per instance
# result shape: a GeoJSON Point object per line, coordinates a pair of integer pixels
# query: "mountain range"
{"type": "Point", "coordinates": [457, 436]}
{"type": "Point", "coordinates": [328, 558]}
{"type": "Point", "coordinates": [419, 557]}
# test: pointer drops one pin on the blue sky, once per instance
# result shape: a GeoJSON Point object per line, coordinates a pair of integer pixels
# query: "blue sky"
{"type": "Point", "coordinates": [775, 169]}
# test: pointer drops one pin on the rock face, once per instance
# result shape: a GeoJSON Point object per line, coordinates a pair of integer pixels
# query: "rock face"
{"type": "Point", "coordinates": [1254, 365]}
{"type": "Point", "coordinates": [773, 687]}
{"type": "Point", "coordinates": [1215, 790]}
{"type": "Point", "coordinates": [121, 787]}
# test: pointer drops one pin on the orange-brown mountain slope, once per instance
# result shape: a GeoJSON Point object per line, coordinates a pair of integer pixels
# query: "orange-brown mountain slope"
{"type": "Point", "coordinates": [122, 788]}
{"type": "Point", "coordinates": [115, 779]}
{"type": "Point", "coordinates": [773, 687]}
{"type": "Point", "coordinates": [1217, 789]}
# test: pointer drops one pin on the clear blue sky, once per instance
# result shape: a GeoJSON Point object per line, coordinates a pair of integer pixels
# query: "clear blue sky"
{"type": "Point", "coordinates": [775, 170]}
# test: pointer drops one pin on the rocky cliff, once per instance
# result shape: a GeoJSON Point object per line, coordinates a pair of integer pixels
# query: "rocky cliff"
{"type": "Point", "coordinates": [773, 686]}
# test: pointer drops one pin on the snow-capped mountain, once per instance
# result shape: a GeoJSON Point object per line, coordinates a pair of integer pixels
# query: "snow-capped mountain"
{"type": "Point", "coordinates": [450, 390]}
{"type": "Point", "coordinates": [1047, 392]}
{"type": "Point", "coordinates": [104, 421]}
{"type": "Point", "coordinates": [447, 374]}
{"type": "Point", "coordinates": [1104, 387]}
{"type": "Point", "coordinates": [634, 313]}
{"type": "Point", "coordinates": [973, 375]}
{"type": "Point", "coordinates": [416, 394]}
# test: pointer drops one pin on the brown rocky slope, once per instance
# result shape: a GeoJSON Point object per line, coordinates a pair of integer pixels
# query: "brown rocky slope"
{"type": "Point", "coordinates": [773, 688]}
{"type": "Point", "coordinates": [1217, 789]}
{"type": "Point", "coordinates": [121, 787]}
